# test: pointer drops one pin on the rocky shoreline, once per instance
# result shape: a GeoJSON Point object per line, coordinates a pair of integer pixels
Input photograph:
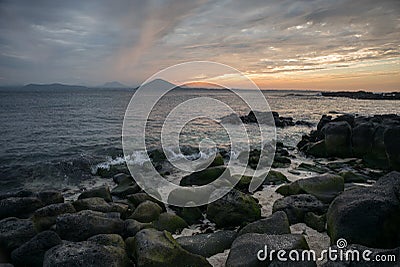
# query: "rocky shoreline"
{"type": "Point", "coordinates": [341, 197]}
{"type": "Point", "coordinates": [364, 95]}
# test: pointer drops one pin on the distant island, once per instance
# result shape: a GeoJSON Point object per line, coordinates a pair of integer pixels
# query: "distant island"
{"type": "Point", "coordinates": [364, 95]}
{"type": "Point", "coordinates": [114, 84]}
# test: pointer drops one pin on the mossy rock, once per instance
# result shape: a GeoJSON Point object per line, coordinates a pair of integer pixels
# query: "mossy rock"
{"type": "Point", "coordinates": [169, 222]}
{"type": "Point", "coordinates": [147, 211]}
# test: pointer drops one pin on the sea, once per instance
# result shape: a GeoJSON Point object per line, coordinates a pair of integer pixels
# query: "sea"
{"type": "Point", "coordinates": [58, 138]}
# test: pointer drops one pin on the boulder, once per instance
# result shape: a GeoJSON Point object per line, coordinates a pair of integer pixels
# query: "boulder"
{"type": "Point", "coordinates": [154, 248]}
{"type": "Point", "coordinates": [45, 217]}
{"type": "Point", "coordinates": [85, 254]}
{"type": "Point", "coordinates": [207, 245]}
{"type": "Point", "coordinates": [235, 208]}
{"type": "Point", "coordinates": [368, 216]}
{"type": "Point", "coordinates": [315, 221]}
{"type": "Point", "coordinates": [190, 214]}
{"type": "Point", "coordinates": [245, 248]}
{"type": "Point", "coordinates": [204, 177]}
{"type": "Point", "coordinates": [353, 177]}
{"type": "Point", "coordinates": [169, 222]}
{"type": "Point", "coordinates": [325, 187]}
{"type": "Point", "coordinates": [20, 207]}
{"type": "Point", "coordinates": [276, 224]}
{"type": "Point", "coordinates": [108, 240]}
{"type": "Point", "coordinates": [218, 161]}
{"type": "Point", "coordinates": [21, 193]}
{"type": "Point", "coordinates": [377, 157]}
{"type": "Point", "coordinates": [32, 252]}
{"type": "Point", "coordinates": [131, 227]}
{"type": "Point", "coordinates": [317, 149]}
{"type": "Point", "coordinates": [338, 139]}
{"type": "Point", "coordinates": [50, 197]}
{"type": "Point", "coordinates": [125, 187]}
{"type": "Point", "coordinates": [146, 212]}
{"type": "Point", "coordinates": [121, 177]}
{"type": "Point", "coordinates": [101, 191]}
{"type": "Point", "coordinates": [363, 134]}
{"type": "Point", "coordinates": [275, 178]}
{"type": "Point", "coordinates": [14, 232]}
{"type": "Point", "coordinates": [98, 204]}
{"type": "Point", "coordinates": [296, 206]}
{"type": "Point", "coordinates": [138, 198]}
{"type": "Point", "coordinates": [392, 146]}
{"type": "Point", "coordinates": [84, 224]}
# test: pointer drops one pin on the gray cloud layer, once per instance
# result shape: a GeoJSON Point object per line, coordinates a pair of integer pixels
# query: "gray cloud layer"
{"type": "Point", "coordinates": [93, 42]}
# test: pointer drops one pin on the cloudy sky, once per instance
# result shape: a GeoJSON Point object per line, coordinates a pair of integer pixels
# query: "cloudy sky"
{"type": "Point", "coordinates": [309, 44]}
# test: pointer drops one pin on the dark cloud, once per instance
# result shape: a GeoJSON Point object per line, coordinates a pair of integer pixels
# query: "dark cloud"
{"type": "Point", "coordinates": [96, 41]}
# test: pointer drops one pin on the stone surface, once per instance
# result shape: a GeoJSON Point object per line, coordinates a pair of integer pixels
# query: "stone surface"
{"type": "Point", "coordinates": [235, 208]}
{"type": "Point", "coordinates": [276, 224]}
{"type": "Point", "coordinates": [154, 248]}
{"type": "Point", "coordinates": [207, 244]}
{"type": "Point", "coordinates": [101, 191]}
{"type": "Point", "coordinates": [32, 252]}
{"type": "Point", "coordinates": [45, 217]}
{"type": "Point", "coordinates": [296, 206]}
{"type": "Point", "coordinates": [14, 232]}
{"type": "Point", "coordinates": [170, 222]}
{"type": "Point", "coordinates": [84, 224]}
{"type": "Point", "coordinates": [20, 207]}
{"type": "Point", "coordinates": [147, 211]}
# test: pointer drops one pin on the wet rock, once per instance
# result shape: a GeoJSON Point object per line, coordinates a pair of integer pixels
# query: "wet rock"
{"type": "Point", "coordinates": [296, 206]}
{"type": "Point", "coordinates": [204, 177]}
{"type": "Point", "coordinates": [362, 138]}
{"type": "Point", "coordinates": [315, 221]}
{"type": "Point", "coordinates": [353, 177]}
{"type": "Point", "coordinates": [154, 248]}
{"type": "Point", "coordinates": [124, 188]}
{"type": "Point", "coordinates": [21, 193]}
{"type": "Point", "coordinates": [101, 191]}
{"type": "Point", "coordinates": [14, 232]}
{"type": "Point", "coordinates": [275, 178]}
{"type": "Point", "coordinates": [45, 217]}
{"type": "Point", "coordinates": [235, 208]}
{"type": "Point", "coordinates": [98, 204]}
{"type": "Point", "coordinates": [32, 252]}
{"type": "Point", "coordinates": [338, 139]}
{"type": "Point", "coordinates": [368, 216]}
{"type": "Point", "coordinates": [121, 178]}
{"type": "Point", "coordinates": [20, 207]}
{"type": "Point", "coordinates": [190, 214]}
{"type": "Point", "coordinates": [108, 240]}
{"type": "Point", "coordinates": [50, 197]}
{"type": "Point", "coordinates": [84, 224]}
{"type": "Point", "coordinates": [85, 254]}
{"type": "Point", "coordinates": [317, 149]}
{"type": "Point", "coordinates": [147, 211]}
{"type": "Point", "coordinates": [312, 168]}
{"type": "Point", "coordinates": [276, 224]}
{"type": "Point", "coordinates": [138, 198]}
{"type": "Point", "coordinates": [325, 187]}
{"type": "Point", "coordinates": [112, 170]}
{"type": "Point", "coordinates": [131, 227]}
{"type": "Point", "coordinates": [207, 244]}
{"type": "Point", "coordinates": [170, 222]}
{"type": "Point", "coordinates": [392, 146]}
{"type": "Point", "coordinates": [245, 248]}
{"type": "Point", "coordinates": [218, 161]}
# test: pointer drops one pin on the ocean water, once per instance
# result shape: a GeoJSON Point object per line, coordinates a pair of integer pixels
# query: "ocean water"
{"type": "Point", "coordinates": [52, 138]}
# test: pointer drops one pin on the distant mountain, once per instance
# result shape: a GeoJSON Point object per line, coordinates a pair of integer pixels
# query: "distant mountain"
{"type": "Point", "coordinates": [56, 86]}
{"type": "Point", "coordinates": [114, 84]}
{"type": "Point", "coordinates": [159, 85]}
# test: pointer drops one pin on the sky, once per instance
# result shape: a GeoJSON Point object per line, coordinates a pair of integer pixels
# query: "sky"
{"type": "Point", "coordinates": [285, 44]}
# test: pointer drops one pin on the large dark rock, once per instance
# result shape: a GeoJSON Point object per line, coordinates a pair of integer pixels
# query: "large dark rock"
{"type": "Point", "coordinates": [98, 204]}
{"type": "Point", "coordinates": [45, 217]}
{"type": "Point", "coordinates": [108, 240]}
{"type": "Point", "coordinates": [32, 252]}
{"type": "Point", "coordinates": [154, 248]}
{"type": "Point", "coordinates": [276, 224]}
{"type": "Point", "coordinates": [245, 248]}
{"type": "Point", "coordinates": [296, 206]}
{"type": "Point", "coordinates": [235, 208]}
{"type": "Point", "coordinates": [101, 191]}
{"type": "Point", "coordinates": [14, 232]}
{"type": "Point", "coordinates": [131, 227]}
{"type": "Point", "coordinates": [50, 197]}
{"type": "Point", "coordinates": [125, 187]}
{"type": "Point", "coordinates": [325, 187]}
{"type": "Point", "coordinates": [204, 177]}
{"type": "Point", "coordinates": [169, 222]}
{"type": "Point", "coordinates": [207, 244]}
{"type": "Point", "coordinates": [146, 212]}
{"type": "Point", "coordinates": [392, 146]}
{"type": "Point", "coordinates": [362, 138]}
{"type": "Point", "coordinates": [20, 207]}
{"type": "Point", "coordinates": [84, 224]}
{"type": "Point", "coordinates": [368, 216]}
{"type": "Point", "coordinates": [338, 139]}
{"type": "Point", "coordinates": [85, 253]}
